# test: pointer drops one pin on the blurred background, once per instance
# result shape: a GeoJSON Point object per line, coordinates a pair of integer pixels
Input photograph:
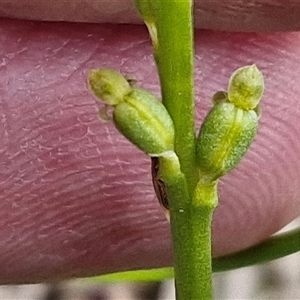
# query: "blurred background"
{"type": "Point", "coordinates": [279, 279]}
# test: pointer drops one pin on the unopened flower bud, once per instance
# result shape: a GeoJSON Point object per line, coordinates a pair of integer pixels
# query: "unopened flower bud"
{"type": "Point", "coordinates": [231, 125]}
{"type": "Point", "coordinates": [144, 120]}
{"type": "Point", "coordinates": [109, 86]}
{"type": "Point", "coordinates": [246, 86]}
{"type": "Point", "coordinates": [137, 114]}
{"type": "Point", "coordinates": [224, 138]}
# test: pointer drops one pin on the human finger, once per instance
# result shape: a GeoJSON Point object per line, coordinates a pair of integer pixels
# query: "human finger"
{"type": "Point", "coordinates": [230, 15]}
{"type": "Point", "coordinates": [76, 197]}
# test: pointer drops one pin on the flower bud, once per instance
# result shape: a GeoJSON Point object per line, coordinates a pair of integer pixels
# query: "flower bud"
{"type": "Point", "coordinates": [109, 85]}
{"type": "Point", "coordinates": [137, 114]}
{"type": "Point", "coordinates": [224, 138]}
{"type": "Point", "coordinates": [246, 86]}
{"type": "Point", "coordinates": [144, 120]}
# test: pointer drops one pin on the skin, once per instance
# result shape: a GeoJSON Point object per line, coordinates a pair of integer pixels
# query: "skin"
{"type": "Point", "coordinates": [76, 197]}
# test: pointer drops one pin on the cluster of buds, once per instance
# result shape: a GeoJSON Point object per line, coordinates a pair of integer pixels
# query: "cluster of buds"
{"type": "Point", "coordinates": [223, 139]}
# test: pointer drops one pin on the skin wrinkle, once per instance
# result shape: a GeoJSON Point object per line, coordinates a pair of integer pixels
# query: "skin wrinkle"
{"type": "Point", "coordinates": [232, 15]}
{"type": "Point", "coordinates": [62, 217]}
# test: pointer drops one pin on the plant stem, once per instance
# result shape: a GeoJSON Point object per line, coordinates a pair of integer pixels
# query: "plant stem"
{"type": "Point", "coordinates": [273, 248]}
{"type": "Point", "coordinates": [174, 58]}
{"type": "Point", "coordinates": [171, 30]}
{"type": "Point", "coordinates": [191, 231]}
{"type": "Point", "coordinates": [192, 253]}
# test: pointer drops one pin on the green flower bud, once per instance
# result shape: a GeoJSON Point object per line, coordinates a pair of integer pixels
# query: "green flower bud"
{"type": "Point", "coordinates": [109, 85]}
{"type": "Point", "coordinates": [144, 120]}
{"type": "Point", "coordinates": [224, 138]}
{"type": "Point", "coordinates": [137, 114]}
{"type": "Point", "coordinates": [246, 86]}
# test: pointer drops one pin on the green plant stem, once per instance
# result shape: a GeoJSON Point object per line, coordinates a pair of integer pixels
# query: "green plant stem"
{"type": "Point", "coordinates": [171, 30]}
{"type": "Point", "coordinates": [273, 248]}
{"type": "Point", "coordinates": [192, 252]}
{"type": "Point", "coordinates": [174, 58]}
{"type": "Point", "coordinates": [191, 231]}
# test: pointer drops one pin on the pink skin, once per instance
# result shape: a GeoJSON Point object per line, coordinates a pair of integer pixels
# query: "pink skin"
{"type": "Point", "coordinates": [230, 15]}
{"type": "Point", "coordinates": [76, 197]}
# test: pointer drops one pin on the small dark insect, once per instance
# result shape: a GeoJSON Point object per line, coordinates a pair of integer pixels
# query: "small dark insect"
{"type": "Point", "coordinates": [158, 184]}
